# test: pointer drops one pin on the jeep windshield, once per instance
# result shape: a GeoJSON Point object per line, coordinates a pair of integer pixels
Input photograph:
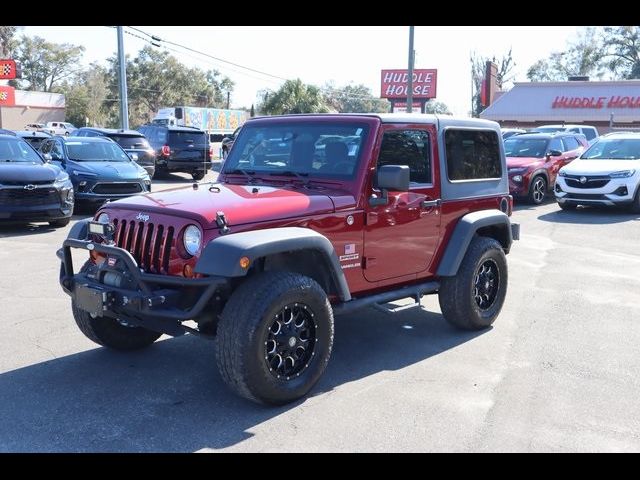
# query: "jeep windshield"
{"type": "Point", "coordinates": [614, 149]}
{"type": "Point", "coordinates": [525, 147]}
{"type": "Point", "coordinates": [92, 151]}
{"type": "Point", "coordinates": [299, 150]}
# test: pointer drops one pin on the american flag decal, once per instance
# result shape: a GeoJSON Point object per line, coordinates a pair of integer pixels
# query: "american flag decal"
{"type": "Point", "coordinates": [350, 249]}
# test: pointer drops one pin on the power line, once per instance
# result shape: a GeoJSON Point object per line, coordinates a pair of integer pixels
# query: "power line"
{"type": "Point", "coordinates": [158, 39]}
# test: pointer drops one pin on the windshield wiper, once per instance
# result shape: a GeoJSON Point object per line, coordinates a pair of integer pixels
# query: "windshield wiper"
{"type": "Point", "coordinates": [291, 173]}
{"type": "Point", "coordinates": [247, 173]}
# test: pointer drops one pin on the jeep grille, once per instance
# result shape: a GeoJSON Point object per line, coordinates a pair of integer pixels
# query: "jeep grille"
{"type": "Point", "coordinates": [149, 244]}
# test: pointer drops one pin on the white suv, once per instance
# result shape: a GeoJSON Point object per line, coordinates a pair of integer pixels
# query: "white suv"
{"type": "Point", "coordinates": [60, 128]}
{"type": "Point", "coordinates": [608, 173]}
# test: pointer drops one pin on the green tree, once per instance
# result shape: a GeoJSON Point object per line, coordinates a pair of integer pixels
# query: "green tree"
{"type": "Point", "coordinates": [582, 56]}
{"type": "Point", "coordinates": [354, 99]}
{"type": "Point", "coordinates": [478, 68]}
{"type": "Point", "coordinates": [433, 106]}
{"type": "Point", "coordinates": [622, 45]}
{"type": "Point", "coordinates": [7, 40]}
{"type": "Point", "coordinates": [293, 96]}
{"type": "Point", "coordinates": [86, 98]}
{"type": "Point", "coordinates": [156, 79]}
{"type": "Point", "coordinates": [45, 64]}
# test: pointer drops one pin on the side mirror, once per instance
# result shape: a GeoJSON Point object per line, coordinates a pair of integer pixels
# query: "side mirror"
{"type": "Point", "coordinates": [390, 177]}
{"type": "Point", "coordinates": [393, 177]}
{"type": "Point", "coordinates": [554, 153]}
{"type": "Point", "coordinates": [47, 157]}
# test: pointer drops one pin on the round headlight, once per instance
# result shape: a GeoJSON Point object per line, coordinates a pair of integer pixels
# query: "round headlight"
{"type": "Point", "coordinates": [103, 218]}
{"type": "Point", "coordinates": [192, 239]}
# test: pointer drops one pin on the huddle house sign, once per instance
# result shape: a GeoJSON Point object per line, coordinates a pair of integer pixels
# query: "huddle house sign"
{"type": "Point", "coordinates": [614, 101]}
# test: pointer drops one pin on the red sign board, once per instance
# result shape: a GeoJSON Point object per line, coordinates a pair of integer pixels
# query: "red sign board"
{"type": "Point", "coordinates": [614, 101]}
{"type": "Point", "coordinates": [394, 83]}
{"type": "Point", "coordinates": [7, 96]}
{"type": "Point", "coordinates": [8, 69]}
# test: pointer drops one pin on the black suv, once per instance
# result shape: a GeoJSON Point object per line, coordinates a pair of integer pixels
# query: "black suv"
{"type": "Point", "coordinates": [179, 149]}
{"type": "Point", "coordinates": [131, 141]}
{"type": "Point", "coordinates": [30, 189]}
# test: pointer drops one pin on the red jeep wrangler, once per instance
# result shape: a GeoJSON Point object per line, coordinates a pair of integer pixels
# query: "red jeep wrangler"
{"type": "Point", "coordinates": [313, 215]}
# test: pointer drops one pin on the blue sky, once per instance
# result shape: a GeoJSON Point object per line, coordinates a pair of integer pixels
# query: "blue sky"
{"type": "Point", "coordinates": [339, 54]}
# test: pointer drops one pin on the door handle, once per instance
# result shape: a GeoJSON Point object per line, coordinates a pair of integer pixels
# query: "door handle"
{"type": "Point", "coordinates": [431, 203]}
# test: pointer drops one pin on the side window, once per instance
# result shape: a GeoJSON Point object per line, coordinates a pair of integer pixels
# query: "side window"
{"type": "Point", "coordinates": [81, 133]}
{"type": "Point", "coordinates": [407, 147]}
{"type": "Point", "coordinates": [472, 154]}
{"type": "Point", "coordinates": [570, 143]}
{"type": "Point", "coordinates": [590, 133]}
{"type": "Point", "coordinates": [574, 130]}
{"type": "Point", "coordinates": [56, 151]}
{"type": "Point", "coordinates": [556, 144]}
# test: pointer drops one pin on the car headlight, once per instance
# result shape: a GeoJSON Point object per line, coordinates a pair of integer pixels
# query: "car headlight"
{"type": "Point", "coordinates": [103, 218]}
{"type": "Point", "coordinates": [622, 174]}
{"type": "Point", "coordinates": [517, 170]}
{"type": "Point", "coordinates": [192, 239]}
{"type": "Point", "coordinates": [517, 178]}
{"type": "Point", "coordinates": [61, 180]}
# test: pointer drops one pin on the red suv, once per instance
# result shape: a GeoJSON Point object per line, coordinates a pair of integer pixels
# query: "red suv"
{"type": "Point", "coordinates": [313, 215]}
{"type": "Point", "coordinates": [534, 159]}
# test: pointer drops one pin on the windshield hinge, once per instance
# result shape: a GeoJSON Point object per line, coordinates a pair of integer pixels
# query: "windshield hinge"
{"type": "Point", "coordinates": [221, 222]}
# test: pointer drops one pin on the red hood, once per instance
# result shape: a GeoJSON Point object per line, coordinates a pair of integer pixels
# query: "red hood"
{"type": "Point", "coordinates": [518, 162]}
{"type": "Point", "coordinates": [238, 202]}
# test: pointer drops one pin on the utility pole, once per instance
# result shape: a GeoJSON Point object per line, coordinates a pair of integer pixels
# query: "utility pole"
{"type": "Point", "coordinates": [124, 107]}
{"type": "Point", "coordinates": [410, 80]}
{"type": "Point", "coordinates": [228, 98]}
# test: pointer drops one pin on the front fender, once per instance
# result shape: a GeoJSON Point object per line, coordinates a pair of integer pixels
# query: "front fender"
{"type": "Point", "coordinates": [221, 256]}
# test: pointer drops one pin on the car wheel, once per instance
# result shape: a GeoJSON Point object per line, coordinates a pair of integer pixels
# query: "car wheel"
{"type": "Point", "coordinates": [199, 175]}
{"type": "Point", "coordinates": [635, 206]}
{"type": "Point", "coordinates": [275, 337]}
{"type": "Point", "coordinates": [537, 190]}
{"type": "Point", "coordinates": [63, 222]}
{"type": "Point", "coordinates": [111, 333]}
{"type": "Point", "coordinates": [473, 298]}
{"type": "Point", "coordinates": [567, 206]}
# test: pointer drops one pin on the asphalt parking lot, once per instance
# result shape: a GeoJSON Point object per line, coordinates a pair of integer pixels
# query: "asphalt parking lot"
{"type": "Point", "coordinates": [557, 372]}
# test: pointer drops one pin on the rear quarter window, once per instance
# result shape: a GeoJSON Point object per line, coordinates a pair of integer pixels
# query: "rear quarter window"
{"type": "Point", "coordinates": [472, 154]}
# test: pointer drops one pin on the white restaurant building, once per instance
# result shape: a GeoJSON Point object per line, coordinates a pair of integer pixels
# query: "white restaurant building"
{"type": "Point", "coordinates": [606, 105]}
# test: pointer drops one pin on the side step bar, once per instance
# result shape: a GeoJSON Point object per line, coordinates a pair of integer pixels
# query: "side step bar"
{"type": "Point", "coordinates": [377, 300]}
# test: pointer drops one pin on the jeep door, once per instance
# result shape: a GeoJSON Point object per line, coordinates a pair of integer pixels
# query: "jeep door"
{"type": "Point", "coordinates": [401, 237]}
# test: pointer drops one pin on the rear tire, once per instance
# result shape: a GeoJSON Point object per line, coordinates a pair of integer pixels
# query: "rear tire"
{"type": "Point", "coordinates": [261, 352]}
{"type": "Point", "coordinates": [473, 298]}
{"type": "Point", "coordinates": [197, 175]}
{"type": "Point", "coordinates": [537, 190]}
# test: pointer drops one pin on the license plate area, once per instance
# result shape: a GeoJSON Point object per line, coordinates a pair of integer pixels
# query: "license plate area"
{"type": "Point", "coordinates": [91, 300]}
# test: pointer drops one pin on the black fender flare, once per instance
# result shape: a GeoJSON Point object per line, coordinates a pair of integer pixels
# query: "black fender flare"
{"type": "Point", "coordinates": [221, 256]}
{"type": "Point", "coordinates": [544, 173]}
{"type": "Point", "coordinates": [79, 230]}
{"type": "Point", "coordinates": [464, 232]}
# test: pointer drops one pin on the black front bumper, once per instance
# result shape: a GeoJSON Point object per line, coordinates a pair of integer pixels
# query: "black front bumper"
{"type": "Point", "coordinates": [147, 300]}
{"type": "Point", "coordinates": [35, 213]}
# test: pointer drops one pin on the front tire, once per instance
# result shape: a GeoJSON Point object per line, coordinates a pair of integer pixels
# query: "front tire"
{"type": "Point", "coordinates": [473, 298]}
{"type": "Point", "coordinates": [110, 333]}
{"type": "Point", "coordinates": [569, 207]}
{"type": "Point", "coordinates": [537, 190]}
{"type": "Point", "coordinates": [275, 337]}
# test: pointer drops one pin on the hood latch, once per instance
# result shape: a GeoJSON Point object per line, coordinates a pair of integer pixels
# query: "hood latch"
{"type": "Point", "coordinates": [221, 222]}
